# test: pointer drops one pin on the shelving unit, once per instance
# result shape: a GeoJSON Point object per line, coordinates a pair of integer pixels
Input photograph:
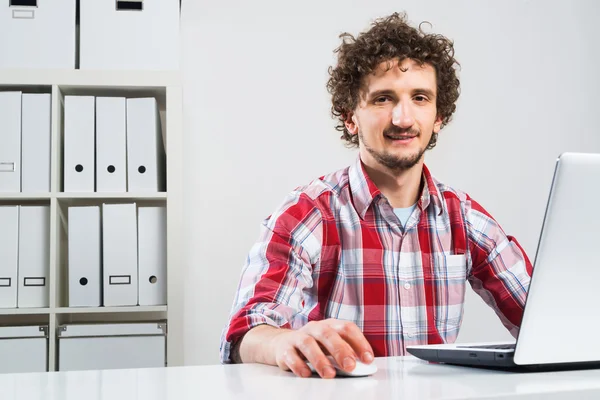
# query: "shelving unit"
{"type": "Point", "coordinates": [166, 88]}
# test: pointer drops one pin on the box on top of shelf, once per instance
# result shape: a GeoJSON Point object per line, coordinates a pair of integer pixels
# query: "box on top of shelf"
{"type": "Point", "coordinates": [109, 346]}
{"type": "Point", "coordinates": [126, 35]}
{"type": "Point", "coordinates": [37, 34]}
{"type": "Point", "coordinates": [23, 349]}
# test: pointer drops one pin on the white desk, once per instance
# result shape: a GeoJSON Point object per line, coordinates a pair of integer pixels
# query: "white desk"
{"type": "Point", "coordinates": [397, 378]}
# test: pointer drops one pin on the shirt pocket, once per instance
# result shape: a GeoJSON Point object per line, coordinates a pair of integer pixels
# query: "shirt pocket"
{"type": "Point", "coordinates": [450, 278]}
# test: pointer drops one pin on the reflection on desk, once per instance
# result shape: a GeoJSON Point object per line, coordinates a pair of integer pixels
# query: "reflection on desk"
{"type": "Point", "coordinates": [397, 378]}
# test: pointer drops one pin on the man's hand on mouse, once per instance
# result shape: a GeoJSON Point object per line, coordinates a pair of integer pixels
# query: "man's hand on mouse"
{"type": "Point", "coordinates": [311, 343]}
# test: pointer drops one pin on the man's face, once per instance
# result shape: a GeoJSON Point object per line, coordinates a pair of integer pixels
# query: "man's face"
{"type": "Point", "coordinates": [396, 115]}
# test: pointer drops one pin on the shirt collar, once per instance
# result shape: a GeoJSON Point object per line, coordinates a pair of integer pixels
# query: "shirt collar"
{"type": "Point", "coordinates": [364, 191]}
{"type": "Point", "coordinates": [431, 193]}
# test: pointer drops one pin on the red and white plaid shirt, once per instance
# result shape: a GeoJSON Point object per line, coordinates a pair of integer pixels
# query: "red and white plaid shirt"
{"type": "Point", "coordinates": [336, 249]}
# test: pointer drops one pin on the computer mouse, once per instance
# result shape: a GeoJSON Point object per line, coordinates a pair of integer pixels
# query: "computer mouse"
{"type": "Point", "coordinates": [361, 369]}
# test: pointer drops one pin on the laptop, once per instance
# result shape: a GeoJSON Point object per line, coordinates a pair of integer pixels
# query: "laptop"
{"type": "Point", "coordinates": [561, 319]}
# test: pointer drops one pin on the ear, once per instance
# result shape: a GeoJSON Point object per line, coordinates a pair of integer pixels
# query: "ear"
{"type": "Point", "coordinates": [438, 124]}
{"type": "Point", "coordinates": [351, 123]}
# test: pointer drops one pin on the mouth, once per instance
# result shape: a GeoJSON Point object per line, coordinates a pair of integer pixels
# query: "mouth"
{"type": "Point", "coordinates": [401, 138]}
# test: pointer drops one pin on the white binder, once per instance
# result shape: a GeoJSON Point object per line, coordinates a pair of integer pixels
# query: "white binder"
{"type": "Point", "coordinates": [35, 138]}
{"type": "Point", "coordinates": [152, 255]}
{"type": "Point", "coordinates": [9, 251]}
{"type": "Point", "coordinates": [37, 34]}
{"type": "Point", "coordinates": [79, 144]}
{"type": "Point", "coordinates": [10, 139]}
{"type": "Point", "coordinates": [145, 148]}
{"type": "Point", "coordinates": [84, 269]}
{"type": "Point", "coordinates": [111, 156]}
{"type": "Point", "coordinates": [121, 35]}
{"type": "Point", "coordinates": [34, 257]}
{"type": "Point", "coordinates": [119, 252]}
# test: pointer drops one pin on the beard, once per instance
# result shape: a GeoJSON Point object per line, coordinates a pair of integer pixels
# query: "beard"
{"type": "Point", "coordinates": [392, 161]}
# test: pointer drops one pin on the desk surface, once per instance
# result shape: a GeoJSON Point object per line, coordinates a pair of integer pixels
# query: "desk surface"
{"type": "Point", "coordinates": [397, 378]}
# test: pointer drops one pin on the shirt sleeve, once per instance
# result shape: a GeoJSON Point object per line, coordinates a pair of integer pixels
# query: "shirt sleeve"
{"type": "Point", "coordinates": [277, 271]}
{"type": "Point", "coordinates": [501, 271]}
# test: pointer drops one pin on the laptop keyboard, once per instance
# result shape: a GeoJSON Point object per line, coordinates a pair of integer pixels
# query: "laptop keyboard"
{"type": "Point", "coordinates": [491, 346]}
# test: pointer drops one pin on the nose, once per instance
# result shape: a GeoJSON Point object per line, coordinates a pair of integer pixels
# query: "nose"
{"type": "Point", "coordinates": [402, 115]}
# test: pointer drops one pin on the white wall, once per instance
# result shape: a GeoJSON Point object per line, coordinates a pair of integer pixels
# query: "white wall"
{"type": "Point", "coordinates": [257, 124]}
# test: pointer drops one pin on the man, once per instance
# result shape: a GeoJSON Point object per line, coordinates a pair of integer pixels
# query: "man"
{"type": "Point", "coordinates": [375, 257]}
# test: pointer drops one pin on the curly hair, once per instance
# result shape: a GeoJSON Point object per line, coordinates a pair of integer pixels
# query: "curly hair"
{"type": "Point", "coordinates": [390, 38]}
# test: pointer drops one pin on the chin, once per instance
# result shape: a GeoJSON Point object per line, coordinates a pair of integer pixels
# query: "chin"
{"type": "Point", "coordinates": [409, 158]}
{"type": "Point", "coordinates": [406, 155]}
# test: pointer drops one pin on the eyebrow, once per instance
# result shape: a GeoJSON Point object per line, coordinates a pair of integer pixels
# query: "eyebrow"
{"type": "Point", "coordinates": [383, 92]}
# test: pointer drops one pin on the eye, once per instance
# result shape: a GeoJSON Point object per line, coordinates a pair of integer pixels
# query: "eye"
{"type": "Point", "coordinates": [421, 98]}
{"type": "Point", "coordinates": [381, 99]}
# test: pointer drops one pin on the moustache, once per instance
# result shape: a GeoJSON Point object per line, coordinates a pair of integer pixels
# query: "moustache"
{"type": "Point", "coordinates": [396, 131]}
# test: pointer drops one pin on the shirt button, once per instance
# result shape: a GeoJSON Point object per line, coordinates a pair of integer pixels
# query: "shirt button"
{"type": "Point", "coordinates": [410, 335]}
{"type": "Point", "coordinates": [407, 286]}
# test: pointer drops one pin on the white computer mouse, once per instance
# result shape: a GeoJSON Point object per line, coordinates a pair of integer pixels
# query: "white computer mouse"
{"type": "Point", "coordinates": [361, 369]}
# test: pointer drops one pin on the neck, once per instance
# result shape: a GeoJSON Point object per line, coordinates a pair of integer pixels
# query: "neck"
{"type": "Point", "coordinates": [402, 188]}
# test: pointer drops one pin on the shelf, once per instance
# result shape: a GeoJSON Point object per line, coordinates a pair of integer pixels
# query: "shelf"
{"type": "Point", "coordinates": [48, 77]}
{"type": "Point", "coordinates": [24, 196]}
{"type": "Point", "coordinates": [24, 311]}
{"type": "Point", "coordinates": [77, 196]}
{"type": "Point", "coordinates": [82, 310]}
{"type": "Point", "coordinates": [95, 310]}
{"type": "Point", "coordinates": [124, 195]}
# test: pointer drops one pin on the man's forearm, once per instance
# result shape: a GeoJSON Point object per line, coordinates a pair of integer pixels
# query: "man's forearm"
{"type": "Point", "coordinates": [257, 346]}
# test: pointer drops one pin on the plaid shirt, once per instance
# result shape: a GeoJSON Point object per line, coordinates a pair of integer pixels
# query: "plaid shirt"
{"type": "Point", "coordinates": [335, 249]}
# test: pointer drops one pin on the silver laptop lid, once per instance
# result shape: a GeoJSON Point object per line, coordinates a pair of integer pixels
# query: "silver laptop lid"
{"type": "Point", "coordinates": [562, 313]}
